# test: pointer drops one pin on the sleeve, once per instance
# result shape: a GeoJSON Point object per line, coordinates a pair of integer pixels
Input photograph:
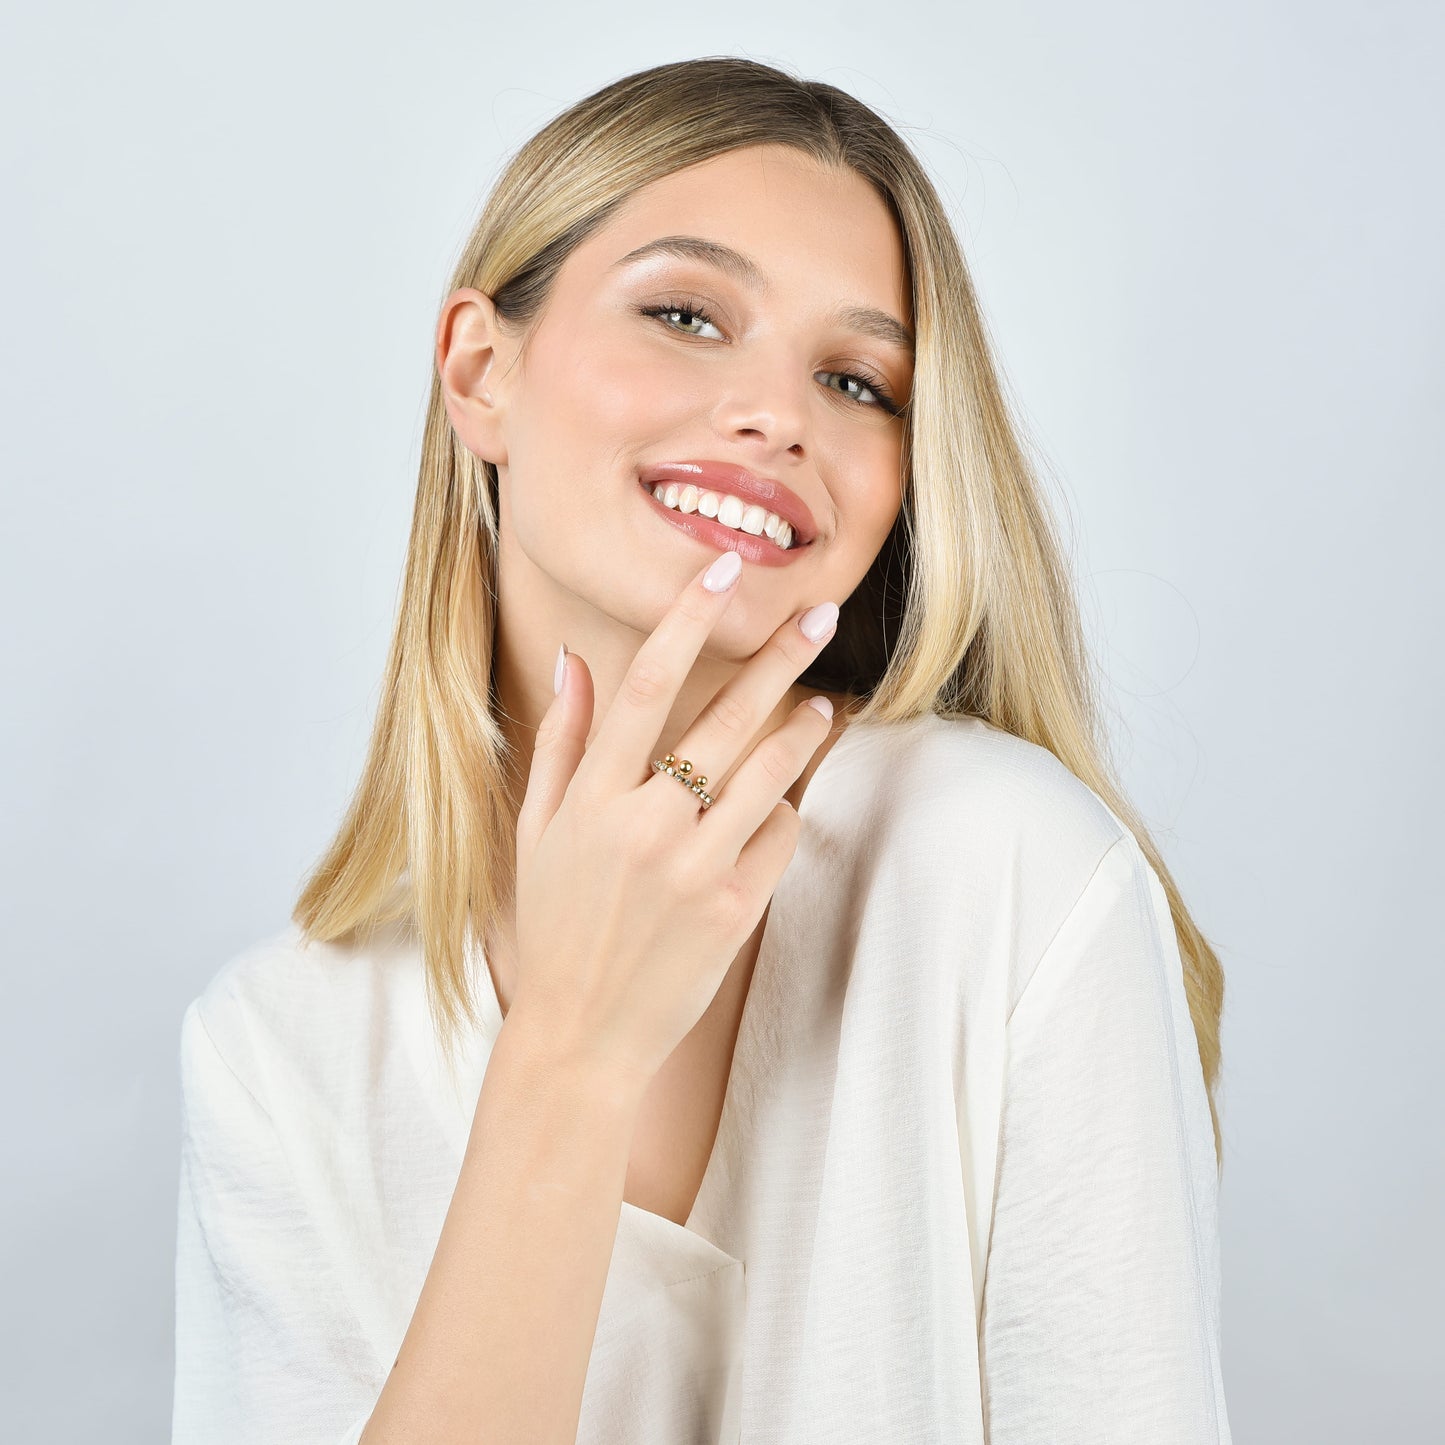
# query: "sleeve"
{"type": "Point", "coordinates": [1100, 1314]}
{"type": "Point", "coordinates": [266, 1347]}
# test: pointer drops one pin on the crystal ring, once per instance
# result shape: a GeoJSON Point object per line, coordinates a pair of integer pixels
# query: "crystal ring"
{"type": "Point", "coordinates": [681, 769]}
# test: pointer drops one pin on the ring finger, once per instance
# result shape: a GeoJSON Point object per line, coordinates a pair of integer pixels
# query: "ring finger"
{"type": "Point", "coordinates": [717, 736]}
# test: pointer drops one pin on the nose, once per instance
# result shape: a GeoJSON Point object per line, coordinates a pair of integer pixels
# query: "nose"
{"type": "Point", "coordinates": [766, 399]}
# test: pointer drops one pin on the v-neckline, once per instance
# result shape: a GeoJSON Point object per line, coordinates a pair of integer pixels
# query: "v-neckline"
{"type": "Point", "coordinates": [694, 1232]}
{"type": "Point", "coordinates": [699, 1222]}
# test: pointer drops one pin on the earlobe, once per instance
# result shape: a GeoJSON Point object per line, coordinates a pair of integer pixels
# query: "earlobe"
{"type": "Point", "coordinates": [467, 363]}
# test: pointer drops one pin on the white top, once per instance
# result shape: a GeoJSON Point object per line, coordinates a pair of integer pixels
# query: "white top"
{"type": "Point", "coordinates": [963, 1187]}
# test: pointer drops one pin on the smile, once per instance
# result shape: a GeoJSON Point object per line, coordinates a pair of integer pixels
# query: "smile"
{"type": "Point", "coordinates": [731, 511]}
{"type": "Point", "coordinates": [706, 516]}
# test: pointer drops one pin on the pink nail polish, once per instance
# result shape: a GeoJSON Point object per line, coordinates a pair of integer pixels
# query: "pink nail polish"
{"type": "Point", "coordinates": [723, 572]}
{"type": "Point", "coordinates": [817, 622]}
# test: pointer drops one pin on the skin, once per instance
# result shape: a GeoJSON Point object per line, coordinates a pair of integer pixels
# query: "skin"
{"type": "Point", "coordinates": [600, 390]}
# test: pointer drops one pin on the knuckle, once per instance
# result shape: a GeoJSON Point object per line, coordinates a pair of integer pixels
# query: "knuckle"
{"type": "Point", "coordinates": [798, 650]}
{"type": "Point", "coordinates": [640, 838]}
{"type": "Point", "coordinates": [646, 682]}
{"type": "Point", "coordinates": [732, 714]}
{"type": "Point", "coordinates": [696, 607]}
{"type": "Point", "coordinates": [637, 853]}
{"type": "Point", "coordinates": [549, 733]}
{"type": "Point", "coordinates": [776, 760]}
{"type": "Point", "coordinates": [730, 900]}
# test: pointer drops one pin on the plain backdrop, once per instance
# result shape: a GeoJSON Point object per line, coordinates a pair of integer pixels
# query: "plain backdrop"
{"type": "Point", "coordinates": [1208, 244]}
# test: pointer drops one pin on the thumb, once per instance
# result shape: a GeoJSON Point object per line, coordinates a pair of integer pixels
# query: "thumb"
{"type": "Point", "coordinates": [558, 747]}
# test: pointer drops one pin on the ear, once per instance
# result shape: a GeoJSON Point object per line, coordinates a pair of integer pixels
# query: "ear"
{"type": "Point", "coordinates": [471, 358]}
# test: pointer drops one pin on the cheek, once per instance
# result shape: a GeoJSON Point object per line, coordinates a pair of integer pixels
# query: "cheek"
{"type": "Point", "coordinates": [625, 394]}
{"type": "Point", "coordinates": [869, 469]}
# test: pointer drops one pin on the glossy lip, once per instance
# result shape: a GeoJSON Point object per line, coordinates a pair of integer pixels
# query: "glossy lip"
{"type": "Point", "coordinates": [738, 482]}
{"type": "Point", "coordinates": [762, 551]}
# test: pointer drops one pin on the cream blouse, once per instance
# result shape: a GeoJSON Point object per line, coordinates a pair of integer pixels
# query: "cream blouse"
{"type": "Point", "coordinates": [963, 1188]}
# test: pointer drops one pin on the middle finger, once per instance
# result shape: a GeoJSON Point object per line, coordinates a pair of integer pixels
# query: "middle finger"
{"type": "Point", "coordinates": [717, 737]}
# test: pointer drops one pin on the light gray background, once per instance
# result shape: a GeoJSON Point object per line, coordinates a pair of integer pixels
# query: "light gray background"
{"type": "Point", "coordinates": [1208, 244]}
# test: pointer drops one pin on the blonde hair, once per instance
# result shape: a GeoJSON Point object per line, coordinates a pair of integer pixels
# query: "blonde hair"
{"type": "Point", "coordinates": [989, 625]}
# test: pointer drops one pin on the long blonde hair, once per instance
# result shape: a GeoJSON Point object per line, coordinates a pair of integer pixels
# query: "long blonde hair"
{"type": "Point", "coordinates": [969, 608]}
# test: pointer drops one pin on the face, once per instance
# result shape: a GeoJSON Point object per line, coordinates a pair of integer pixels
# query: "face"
{"type": "Point", "coordinates": [762, 364]}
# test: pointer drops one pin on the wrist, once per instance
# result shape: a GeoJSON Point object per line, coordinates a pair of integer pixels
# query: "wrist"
{"type": "Point", "coordinates": [551, 1059]}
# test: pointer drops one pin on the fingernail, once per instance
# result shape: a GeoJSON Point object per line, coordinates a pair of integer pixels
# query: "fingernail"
{"type": "Point", "coordinates": [561, 671]}
{"type": "Point", "coordinates": [823, 705]}
{"type": "Point", "coordinates": [817, 622]}
{"type": "Point", "coordinates": [724, 572]}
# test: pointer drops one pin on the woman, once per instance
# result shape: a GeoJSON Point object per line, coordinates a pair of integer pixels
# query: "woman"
{"type": "Point", "coordinates": [837, 1071]}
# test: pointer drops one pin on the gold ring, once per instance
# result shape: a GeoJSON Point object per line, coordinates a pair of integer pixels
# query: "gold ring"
{"type": "Point", "coordinates": [682, 771]}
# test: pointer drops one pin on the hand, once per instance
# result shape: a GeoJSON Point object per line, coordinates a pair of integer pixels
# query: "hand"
{"type": "Point", "coordinates": [632, 902]}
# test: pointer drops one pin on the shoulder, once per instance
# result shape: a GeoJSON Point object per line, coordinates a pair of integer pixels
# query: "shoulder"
{"type": "Point", "coordinates": [980, 839]}
{"type": "Point", "coordinates": [953, 781]}
{"type": "Point", "coordinates": [284, 1007]}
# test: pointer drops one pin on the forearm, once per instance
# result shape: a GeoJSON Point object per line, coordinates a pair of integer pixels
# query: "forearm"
{"type": "Point", "coordinates": [499, 1342]}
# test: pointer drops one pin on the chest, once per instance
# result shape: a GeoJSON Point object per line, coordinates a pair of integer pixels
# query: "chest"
{"type": "Point", "coordinates": [678, 1120]}
{"type": "Point", "coordinates": [674, 1139]}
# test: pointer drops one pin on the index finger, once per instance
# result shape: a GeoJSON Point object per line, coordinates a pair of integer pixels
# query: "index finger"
{"type": "Point", "coordinates": [619, 755]}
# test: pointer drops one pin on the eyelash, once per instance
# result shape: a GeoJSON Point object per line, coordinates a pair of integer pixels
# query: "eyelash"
{"type": "Point", "coordinates": [697, 310]}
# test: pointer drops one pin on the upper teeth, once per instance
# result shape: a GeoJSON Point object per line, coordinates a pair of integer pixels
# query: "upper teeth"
{"type": "Point", "coordinates": [730, 511]}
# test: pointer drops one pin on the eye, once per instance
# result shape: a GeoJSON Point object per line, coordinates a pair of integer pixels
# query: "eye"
{"type": "Point", "coordinates": [874, 388]}
{"type": "Point", "coordinates": [690, 310]}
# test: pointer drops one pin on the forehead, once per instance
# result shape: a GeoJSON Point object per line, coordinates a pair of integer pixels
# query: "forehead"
{"type": "Point", "coordinates": [814, 231]}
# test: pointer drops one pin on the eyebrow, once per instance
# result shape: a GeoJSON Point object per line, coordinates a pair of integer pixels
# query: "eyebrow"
{"type": "Point", "coordinates": [867, 320]}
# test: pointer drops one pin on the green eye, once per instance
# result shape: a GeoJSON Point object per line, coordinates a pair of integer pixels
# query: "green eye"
{"type": "Point", "coordinates": [695, 311]}
{"type": "Point", "coordinates": [691, 309]}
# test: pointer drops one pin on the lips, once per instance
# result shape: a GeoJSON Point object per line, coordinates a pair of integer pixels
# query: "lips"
{"type": "Point", "coordinates": [738, 482]}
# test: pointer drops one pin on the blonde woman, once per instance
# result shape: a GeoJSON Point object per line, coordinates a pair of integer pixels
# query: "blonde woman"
{"type": "Point", "coordinates": [740, 1004]}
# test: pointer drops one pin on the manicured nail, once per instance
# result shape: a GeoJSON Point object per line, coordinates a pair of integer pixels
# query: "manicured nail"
{"type": "Point", "coordinates": [561, 671]}
{"type": "Point", "coordinates": [817, 622]}
{"type": "Point", "coordinates": [724, 572]}
{"type": "Point", "coordinates": [822, 704]}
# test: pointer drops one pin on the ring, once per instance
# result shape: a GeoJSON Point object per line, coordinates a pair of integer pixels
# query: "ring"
{"type": "Point", "coordinates": [682, 771]}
